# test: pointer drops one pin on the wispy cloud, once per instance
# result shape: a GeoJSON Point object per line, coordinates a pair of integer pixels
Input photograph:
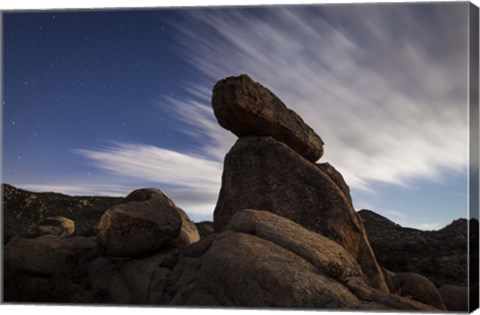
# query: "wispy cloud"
{"type": "Point", "coordinates": [369, 79]}
{"type": "Point", "coordinates": [192, 181]}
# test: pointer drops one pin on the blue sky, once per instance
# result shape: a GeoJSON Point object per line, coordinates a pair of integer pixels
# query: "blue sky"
{"type": "Point", "coordinates": [105, 102]}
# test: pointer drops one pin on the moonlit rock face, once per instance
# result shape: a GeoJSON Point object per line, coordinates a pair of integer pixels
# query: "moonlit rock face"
{"type": "Point", "coordinates": [247, 108]}
{"type": "Point", "coordinates": [263, 173]}
{"type": "Point", "coordinates": [148, 221]}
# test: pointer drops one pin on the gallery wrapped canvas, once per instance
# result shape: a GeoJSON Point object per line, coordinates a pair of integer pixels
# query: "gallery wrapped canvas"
{"type": "Point", "coordinates": [321, 157]}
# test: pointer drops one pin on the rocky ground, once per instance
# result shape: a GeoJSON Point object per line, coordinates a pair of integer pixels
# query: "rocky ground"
{"type": "Point", "coordinates": [284, 234]}
{"type": "Point", "coordinates": [23, 209]}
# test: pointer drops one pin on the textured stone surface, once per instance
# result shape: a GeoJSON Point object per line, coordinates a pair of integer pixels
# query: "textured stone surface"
{"type": "Point", "coordinates": [147, 222]}
{"type": "Point", "coordinates": [205, 228]}
{"type": "Point", "coordinates": [263, 173]}
{"type": "Point", "coordinates": [419, 288]}
{"type": "Point", "coordinates": [239, 269]}
{"type": "Point", "coordinates": [326, 255]}
{"type": "Point", "coordinates": [247, 108]}
{"type": "Point", "coordinates": [49, 255]}
{"type": "Point", "coordinates": [188, 232]}
{"type": "Point", "coordinates": [243, 270]}
{"type": "Point", "coordinates": [439, 255]}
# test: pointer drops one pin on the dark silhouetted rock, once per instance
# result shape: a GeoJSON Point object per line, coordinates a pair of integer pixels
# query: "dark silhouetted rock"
{"type": "Point", "coordinates": [147, 222]}
{"type": "Point", "coordinates": [239, 269]}
{"type": "Point", "coordinates": [23, 209]}
{"type": "Point", "coordinates": [419, 288]}
{"type": "Point", "coordinates": [49, 255]}
{"type": "Point", "coordinates": [439, 255]}
{"type": "Point", "coordinates": [455, 297]}
{"type": "Point", "coordinates": [131, 281]}
{"type": "Point", "coordinates": [205, 228]}
{"type": "Point", "coordinates": [248, 109]}
{"type": "Point", "coordinates": [263, 173]}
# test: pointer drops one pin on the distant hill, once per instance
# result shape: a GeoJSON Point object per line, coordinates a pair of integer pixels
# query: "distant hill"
{"type": "Point", "coordinates": [440, 255]}
{"type": "Point", "coordinates": [23, 208]}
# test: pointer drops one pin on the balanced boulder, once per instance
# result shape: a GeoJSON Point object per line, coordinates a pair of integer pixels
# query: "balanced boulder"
{"type": "Point", "coordinates": [247, 108]}
{"type": "Point", "coordinates": [146, 222]}
{"type": "Point", "coordinates": [263, 173]}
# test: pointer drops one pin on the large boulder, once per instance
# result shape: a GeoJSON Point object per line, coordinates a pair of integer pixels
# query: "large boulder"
{"type": "Point", "coordinates": [247, 108]}
{"type": "Point", "coordinates": [326, 255]}
{"type": "Point", "coordinates": [146, 222]}
{"type": "Point", "coordinates": [49, 255]}
{"type": "Point", "coordinates": [337, 177]}
{"type": "Point", "coordinates": [244, 270]}
{"type": "Point", "coordinates": [419, 288]}
{"type": "Point", "coordinates": [263, 173]}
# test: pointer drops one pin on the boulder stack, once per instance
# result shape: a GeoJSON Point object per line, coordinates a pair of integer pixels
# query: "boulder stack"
{"type": "Point", "coordinates": [285, 234]}
{"type": "Point", "coordinates": [266, 169]}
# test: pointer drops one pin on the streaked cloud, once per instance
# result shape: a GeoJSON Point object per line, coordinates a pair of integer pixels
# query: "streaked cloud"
{"type": "Point", "coordinates": [384, 85]}
{"type": "Point", "coordinates": [191, 181]}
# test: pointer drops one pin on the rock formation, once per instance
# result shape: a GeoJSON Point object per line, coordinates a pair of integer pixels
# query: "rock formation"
{"type": "Point", "coordinates": [440, 255]}
{"type": "Point", "coordinates": [285, 233]}
{"type": "Point", "coordinates": [248, 109]}
{"type": "Point", "coordinates": [269, 172]}
{"type": "Point", "coordinates": [263, 260]}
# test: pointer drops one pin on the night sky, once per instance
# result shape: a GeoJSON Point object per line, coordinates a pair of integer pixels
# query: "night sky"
{"type": "Point", "coordinates": [105, 102]}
